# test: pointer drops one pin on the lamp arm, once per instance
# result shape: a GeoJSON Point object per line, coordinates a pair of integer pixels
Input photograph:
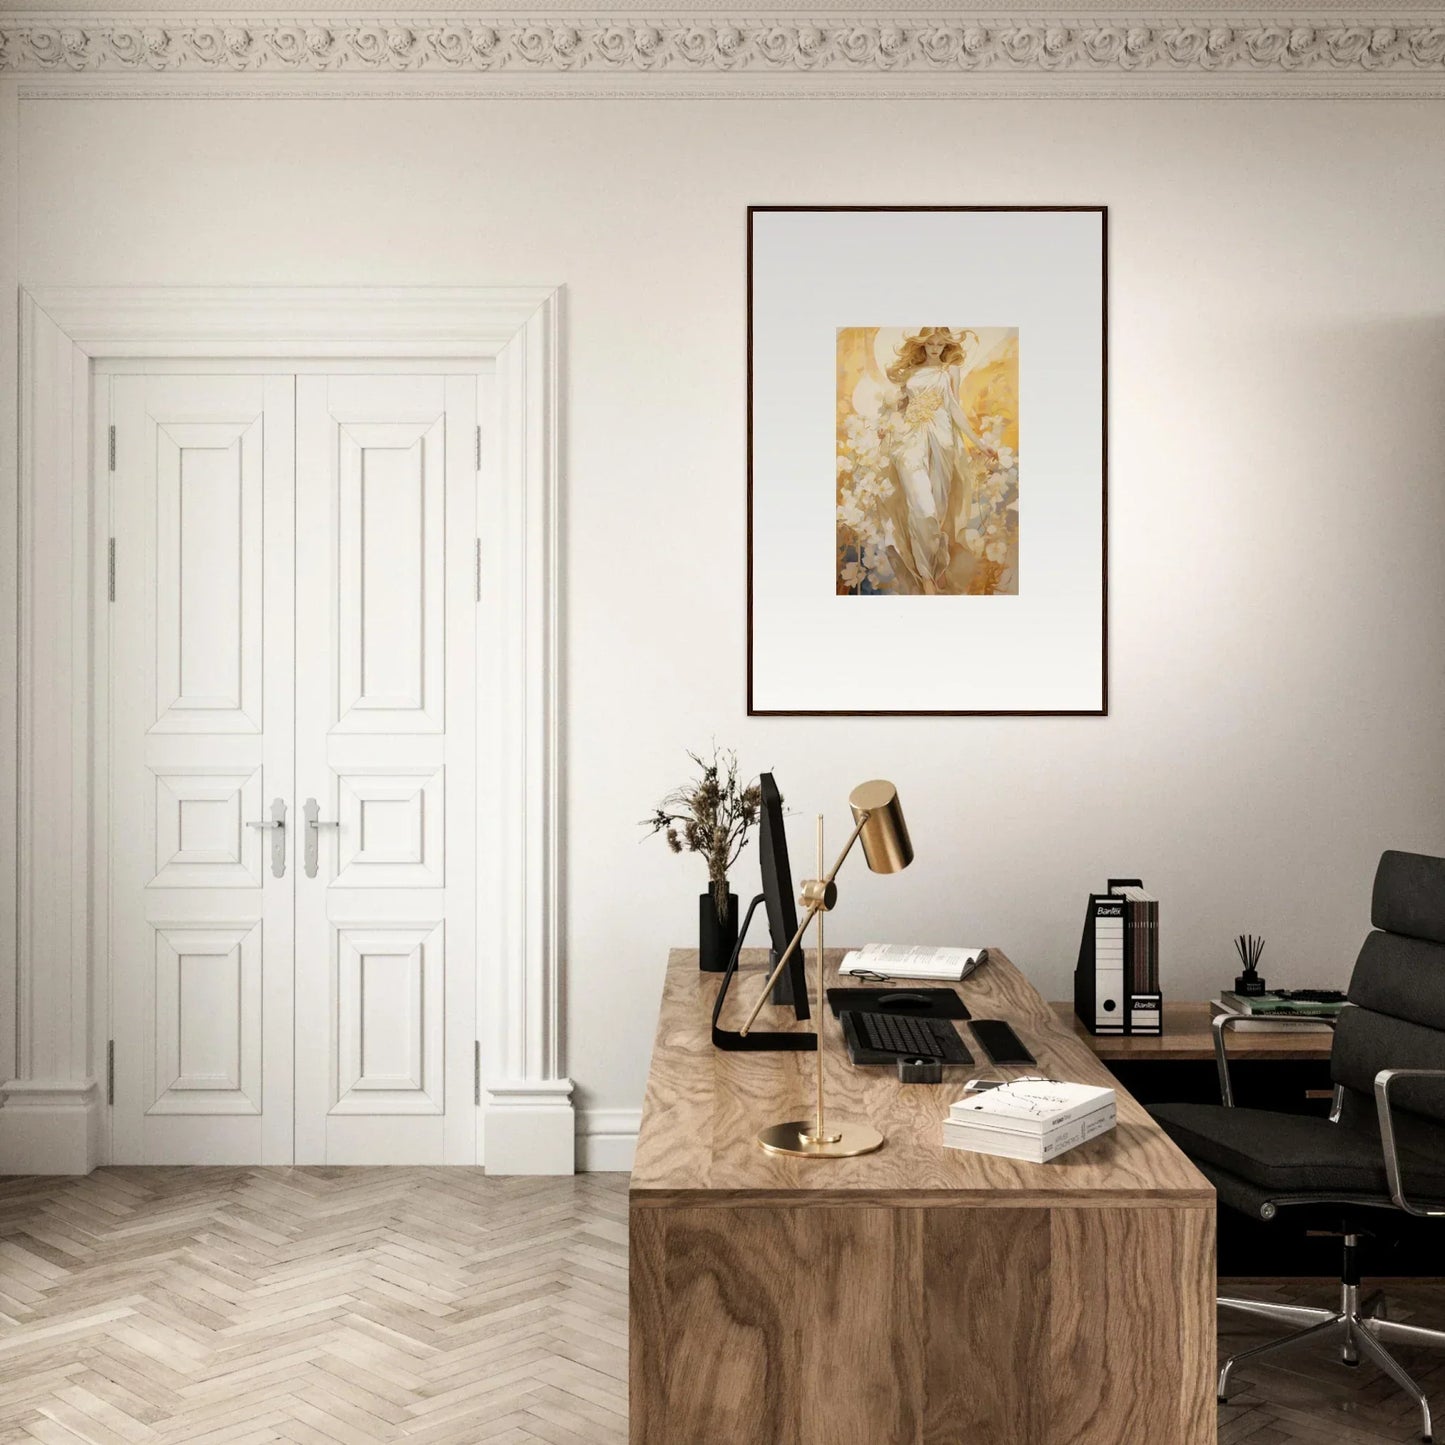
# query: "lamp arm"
{"type": "Point", "coordinates": [848, 847]}
{"type": "Point", "coordinates": [813, 910]}
{"type": "Point", "coordinates": [788, 952]}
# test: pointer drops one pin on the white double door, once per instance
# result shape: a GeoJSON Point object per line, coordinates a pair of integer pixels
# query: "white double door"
{"type": "Point", "coordinates": [292, 820]}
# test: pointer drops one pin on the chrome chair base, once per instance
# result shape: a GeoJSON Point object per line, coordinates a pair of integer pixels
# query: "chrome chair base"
{"type": "Point", "coordinates": [1359, 1326]}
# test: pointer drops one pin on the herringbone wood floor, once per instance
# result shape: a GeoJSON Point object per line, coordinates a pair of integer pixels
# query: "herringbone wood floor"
{"type": "Point", "coordinates": [434, 1306]}
{"type": "Point", "coordinates": [322, 1306]}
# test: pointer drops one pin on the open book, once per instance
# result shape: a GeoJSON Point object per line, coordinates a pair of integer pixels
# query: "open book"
{"type": "Point", "coordinates": [903, 960]}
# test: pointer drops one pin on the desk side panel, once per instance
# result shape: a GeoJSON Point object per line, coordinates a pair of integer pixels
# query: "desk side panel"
{"type": "Point", "coordinates": [835, 1325]}
{"type": "Point", "coordinates": [1132, 1326]}
{"type": "Point", "coordinates": [861, 1338]}
{"type": "Point", "coordinates": [715, 1333]}
{"type": "Point", "coordinates": [646, 1325]}
{"type": "Point", "coordinates": [985, 1304]}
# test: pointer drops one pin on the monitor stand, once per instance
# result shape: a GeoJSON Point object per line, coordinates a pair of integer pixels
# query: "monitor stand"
{"type": "Point", "coordinates": [756, 1040]}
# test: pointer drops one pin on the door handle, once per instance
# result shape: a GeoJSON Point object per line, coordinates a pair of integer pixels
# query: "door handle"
{"type": "Point", "coordinates": [314, 825]}
{"type": "Point", "coordinates": [277, 824]}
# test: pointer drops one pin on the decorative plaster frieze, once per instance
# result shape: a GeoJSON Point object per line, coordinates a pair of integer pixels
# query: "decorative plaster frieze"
{"type": "Point", "coordinates": [924, 45]}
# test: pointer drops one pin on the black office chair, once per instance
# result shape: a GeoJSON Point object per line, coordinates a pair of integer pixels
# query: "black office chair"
{"type": "Point", "coordinates": [1382, 1150]}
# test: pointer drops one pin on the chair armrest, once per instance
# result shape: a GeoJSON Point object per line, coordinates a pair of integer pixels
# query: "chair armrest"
{"type": "Point", "coordinates": [1221, 1025]}
{"type": "Point", "coordinates": [1383, 1080]}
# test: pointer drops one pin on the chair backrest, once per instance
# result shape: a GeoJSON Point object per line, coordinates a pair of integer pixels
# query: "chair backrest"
{"type": "Point", "coordinates": [1398, 989]}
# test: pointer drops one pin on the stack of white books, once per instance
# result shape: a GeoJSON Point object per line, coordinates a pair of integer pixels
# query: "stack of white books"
{"type": "Point", "coordinates": [1033, 1119]}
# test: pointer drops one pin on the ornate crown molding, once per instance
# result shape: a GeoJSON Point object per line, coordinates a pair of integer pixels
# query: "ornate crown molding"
{"type": "Point", "coordinates": [1410, 48]}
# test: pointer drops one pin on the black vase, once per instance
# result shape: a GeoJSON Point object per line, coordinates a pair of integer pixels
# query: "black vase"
{"type": "Point", "coordinates": [716, 937]}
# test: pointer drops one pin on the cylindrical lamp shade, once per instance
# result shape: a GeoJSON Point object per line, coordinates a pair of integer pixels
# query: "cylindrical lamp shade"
{"type": "Point", "coordinates": [886, 843]}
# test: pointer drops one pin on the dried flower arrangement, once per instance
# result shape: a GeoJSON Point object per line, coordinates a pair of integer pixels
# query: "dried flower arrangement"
{"type": "Point", "coordinates": [711, 816]}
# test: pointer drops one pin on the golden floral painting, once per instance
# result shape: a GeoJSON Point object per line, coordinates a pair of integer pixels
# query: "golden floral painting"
{"type": "Point", "coordinates": [928, 461]}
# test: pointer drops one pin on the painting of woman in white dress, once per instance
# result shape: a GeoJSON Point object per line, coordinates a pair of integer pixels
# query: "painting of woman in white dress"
{"type": "Point", "coordinates": [928, 470]}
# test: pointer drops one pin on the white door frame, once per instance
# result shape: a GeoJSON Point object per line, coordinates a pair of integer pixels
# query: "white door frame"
{"type": "Point", "coordinates": [50, 1121]}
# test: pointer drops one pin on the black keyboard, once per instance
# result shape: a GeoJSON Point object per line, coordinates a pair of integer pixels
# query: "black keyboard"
{"type": "Point", "coordinates": [901, 1037]}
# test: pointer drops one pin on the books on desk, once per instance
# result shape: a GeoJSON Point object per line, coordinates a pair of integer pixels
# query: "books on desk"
{"type": "Point", "coordinates": [903, 960]}
{"type": "Point", "coordinates": [1269, 1013]}
{"type": "Point", "coordinates": [1031, 1119]}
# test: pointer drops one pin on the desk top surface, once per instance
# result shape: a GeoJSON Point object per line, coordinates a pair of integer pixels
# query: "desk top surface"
{"type": "Point", "coordinates": [1188, 1037]}
{"type": "Point", "coordinates": [704, 1106]}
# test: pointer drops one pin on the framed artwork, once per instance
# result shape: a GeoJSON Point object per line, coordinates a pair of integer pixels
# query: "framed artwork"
{"type": "Point", "coordinates": [927, 460]}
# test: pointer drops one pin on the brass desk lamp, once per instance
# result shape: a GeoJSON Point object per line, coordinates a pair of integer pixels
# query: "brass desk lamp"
{"type": "Point", "coordinates": [878, 822]}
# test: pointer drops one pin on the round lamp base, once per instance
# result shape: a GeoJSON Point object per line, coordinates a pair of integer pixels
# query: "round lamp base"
{"type": "Point", "coordinates": [844, 1141]}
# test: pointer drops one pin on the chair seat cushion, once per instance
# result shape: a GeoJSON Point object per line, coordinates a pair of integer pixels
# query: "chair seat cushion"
{"type": "Point", "coordinates": [1299, 1153]}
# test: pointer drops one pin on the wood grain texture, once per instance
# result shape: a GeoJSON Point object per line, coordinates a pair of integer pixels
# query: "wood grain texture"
{"type": "Point", "coordinates": [323, 1306]}
{"type": "Point", "coordinates": [1187, 1037]}
{"type": "Point", "coordinates": [919, 1295]}
{"type": "Point", "coordinates": [842, 1325]}
{"type": "Point", "coordinates": [703, 1108]}
{"type": "Point", "coordinates": [732, 1353]}
{"type": "Point", "coordinates": [858, 1267]}
{"type": "Point", "coordinates": [1132, 1325]}
{"type": "Point", "coordinates": [647, 1297]}
{"type": "Point", "coordinates": [987, 1341]}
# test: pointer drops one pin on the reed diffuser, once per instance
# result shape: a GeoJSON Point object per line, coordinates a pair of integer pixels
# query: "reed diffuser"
{"type": "Point", "coordinates": [1249, 983]}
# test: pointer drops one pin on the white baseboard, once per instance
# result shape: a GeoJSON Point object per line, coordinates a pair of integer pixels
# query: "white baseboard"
{"type": "Point", "coordinates": [48, 1128]}
{"type": "Point", "coordinates": [530, 1128]}
{"type": "Point", "coordinates": [607, 1140]}
{"type": "Point", "coordinates": [55, 1129]}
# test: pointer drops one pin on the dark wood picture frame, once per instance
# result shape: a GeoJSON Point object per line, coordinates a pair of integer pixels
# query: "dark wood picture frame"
{"type": "Point", "coordinates": [1103, 709]}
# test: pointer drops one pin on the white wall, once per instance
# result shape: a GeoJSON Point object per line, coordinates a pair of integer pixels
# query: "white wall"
{"type": "Point", "coordinates": [1277, 480]}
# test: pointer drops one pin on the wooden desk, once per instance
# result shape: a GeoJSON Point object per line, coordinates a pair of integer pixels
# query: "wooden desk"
{"type": "Point", "coordinates": [1188, 1038]}
{"type": "Point", "coordinates": [918, 1294]}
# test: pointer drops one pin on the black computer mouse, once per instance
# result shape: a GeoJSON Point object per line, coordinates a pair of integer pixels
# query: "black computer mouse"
{"type": "Point", "coordinates": [904, 1000]}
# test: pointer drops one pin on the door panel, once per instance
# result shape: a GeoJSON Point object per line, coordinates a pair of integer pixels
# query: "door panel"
{"type": "Point", "coordinates": [385, 736]}
{"type": "Point", "coordinates": [201, 668]}
{"type": "Point", "coordinates": [390, 537]}
{"type": "Point", "coordinates": [202, 840]}
{"type": "Point", "coordinates": [390, 1014]}
{"type": "Point", "coordinates": [392, 828]}
{"type": "Point", "coordinates": [208, 1018]}
{"type": "Point", "coordinates": [208, 592]}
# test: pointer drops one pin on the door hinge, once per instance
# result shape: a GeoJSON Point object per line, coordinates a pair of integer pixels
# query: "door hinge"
{"type": "Point", "coordinates": [110, 1072]}
{"type": "Point", "coordinates": [477, 1072]}
{"type": "Point", "coordinates": [110, 569]}
{"type": "Point", "coordinates": [111, 445]}
{"type": "Point", "coordinates": [479, 569]}
{"type": "Point", "coordinates": [479, 448]}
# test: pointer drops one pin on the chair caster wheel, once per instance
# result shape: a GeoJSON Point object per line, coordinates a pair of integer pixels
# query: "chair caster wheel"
{"type": "Point", "coordinates": [1353, 1364]}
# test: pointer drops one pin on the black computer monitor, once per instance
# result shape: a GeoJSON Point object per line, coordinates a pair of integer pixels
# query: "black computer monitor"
{"type": "Point", "coordinates": [791, 987]}
{"type": "Point", "coordinates": [777, 899]}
